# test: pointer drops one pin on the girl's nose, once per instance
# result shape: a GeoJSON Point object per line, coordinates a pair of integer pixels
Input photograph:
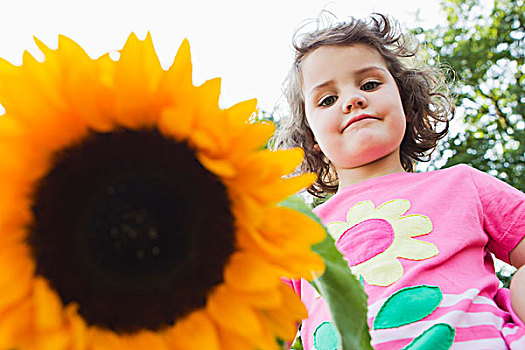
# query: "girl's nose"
{"type": "Point", "coordinates": [354, 102]}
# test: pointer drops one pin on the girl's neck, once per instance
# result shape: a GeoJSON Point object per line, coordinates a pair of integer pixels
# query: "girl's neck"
{"type": "Point", "coordinates": [390, 164]}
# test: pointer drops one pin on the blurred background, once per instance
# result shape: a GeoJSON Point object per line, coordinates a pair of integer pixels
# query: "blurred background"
{"type": "Point", "coordinates": [248, 44]}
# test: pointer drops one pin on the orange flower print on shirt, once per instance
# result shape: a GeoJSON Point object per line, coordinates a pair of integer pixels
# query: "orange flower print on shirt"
{"type": "Point", "coordinates": [372, 239]}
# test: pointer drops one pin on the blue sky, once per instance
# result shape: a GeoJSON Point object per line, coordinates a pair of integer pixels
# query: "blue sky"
{"type": "Point", "coordinates": [247, 43]}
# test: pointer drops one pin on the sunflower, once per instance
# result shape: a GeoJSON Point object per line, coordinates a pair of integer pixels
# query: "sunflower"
{"type": "Point", "coordinates": [384, 235]}
{"type": "Point", "coordinates": [137, 214]}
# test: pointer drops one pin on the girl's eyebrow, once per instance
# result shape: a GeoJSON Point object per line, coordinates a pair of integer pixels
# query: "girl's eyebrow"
{"type": "Point", "coordinates": [369, 68]}
{"type": "Point", "coordinates": [320, 86]}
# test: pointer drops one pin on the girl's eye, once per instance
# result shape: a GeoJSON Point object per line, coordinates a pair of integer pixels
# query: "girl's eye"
{"type": "Point", "coordinates": [370, 85]}
{"type": "Point", "coordinates": [328, 101]}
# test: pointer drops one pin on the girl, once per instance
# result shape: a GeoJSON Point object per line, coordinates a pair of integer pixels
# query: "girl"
{"type": "Point", "coordinates": [419, 242]}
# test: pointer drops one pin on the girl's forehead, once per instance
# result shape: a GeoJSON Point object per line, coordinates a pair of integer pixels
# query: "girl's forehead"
{"type": "Point", "coordinates": [331, 62]}
{"type": "Point", "coordinates": [352, 55]}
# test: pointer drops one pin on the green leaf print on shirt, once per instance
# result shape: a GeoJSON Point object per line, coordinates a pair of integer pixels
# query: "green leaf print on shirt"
{"type": "Point", "coordinates": [438, 337]}
{"type": "Point", "coordinates": [408, 305]}
{"type": "Point", "coordinates": [325, 337]}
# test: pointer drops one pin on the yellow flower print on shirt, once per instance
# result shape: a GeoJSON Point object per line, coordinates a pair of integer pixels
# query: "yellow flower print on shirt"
{"type": "Point", "coordinates": [374, 239]}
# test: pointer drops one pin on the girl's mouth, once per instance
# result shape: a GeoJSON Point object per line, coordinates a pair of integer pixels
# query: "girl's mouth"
{"type": "Point", "coordinates": [357, 118]}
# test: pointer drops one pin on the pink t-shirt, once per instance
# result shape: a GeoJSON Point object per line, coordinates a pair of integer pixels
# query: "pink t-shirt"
{"type": "Point", "coordinates": [421, 243]}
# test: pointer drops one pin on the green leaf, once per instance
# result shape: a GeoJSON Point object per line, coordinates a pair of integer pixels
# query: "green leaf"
{"type": "Point", "coordinates": [342, 292]}
{"type": "Point", "coordinates": [438, 337]}
{"type": "Point", "coordinates": [408, 305]}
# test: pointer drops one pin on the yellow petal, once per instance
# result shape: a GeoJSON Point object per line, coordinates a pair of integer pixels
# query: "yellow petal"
{"type": "Point", "coordinates": [299, 266]}
{"type": "Point", "coordinates": [269, 165]}
{"type": "Point", "coordinates": [177, 80]}
{"type": "Point", "coordinates": [195, 332]}
{"type": "Point", "coordinates": [106, 340]}
{"type": "Point", "coordinates": [43, 47]}
{"type": "Point", "coordinates": [177, 122]}
{"type": "Point", "coordinates": [48, 307]}
{"type": "Point", "coordinates": [53, 340]}
{"type": "Point", "coordinates": [281, 324]}
{"type": "Point", "coordinates": [240, 113]}
{"type": "Point", "coordinates": [146, 340]}
{"type": "Point", "coordinates": [15, 326]}
{"type": "Point", "coordinates": [83, 86]}
{"type": "Point", "coordinates": [232, 314]}
{"type": "Point", "coordinates": [249, 272]}
{"type": "Point", "coordinates": [43, 76]}
{"type": "Point", "coordinates": [290, 229]}
{"type": "Point", "coordinates": [277, 191]}
{"type": "Point", "coordinates": [137, 76]}
{"type": "Point", "coordinates": [209, 92]}
{"type": "Point", "coordinates": [232, 341]}
{"type": "Point", "coordinates": [16, 273]}
{"type": "Point", "coordinates": [255, 136]}
{"type": "Point", "coordinates": [204, 142]}
{"type": "Point", "coordinates": [294, 306]}
{"type": "Point", "coordinates": [79, 332]}
{"type": "Point", "coordinates": [264, 299]}
{"type": "Point", "coordinates": [220, 167]}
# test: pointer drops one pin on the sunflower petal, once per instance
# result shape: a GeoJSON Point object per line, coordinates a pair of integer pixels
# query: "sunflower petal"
{"type": "Point", "coordinates": [251, 273]}
{"type": "Point", "coordinates": [79, 332]}
{"type": "Point", "coordinates": [255, 136]}
{"type": "Point", "coordinates": [276, 164]}
{"type": "Point", "coordinates": [136, 81]}
{"type": "Point", "coordinates": [219, 167]}
{"type": "Point", "coordinates": [284, 225]}
{"type": "Point", "coordinates": [210, 92]}
{"type": "Point", "coordinates": [265, 299]}
{"type": "Point", "coordinates": [232, 341]}
{"type": "Point", "coordinates": [146, 340]}
{"type": "Point", "coordinates": [195, 332]}
{"type": "Point", "coordinates": [84, 86]}
{"type": "Point", "coordinates": [43, 47]}
{"type": "Point", "coordinates": [175, 83]}
{"type": "Point", "coordinates": [54, 340]}
{"type": "Point", "coordinates": [240, 113]}
{"type": "Point", "coordinates": [106, 340]}
{"type": "Point", "coordinates": [14, 266]}
{"type": "Point", "coordinates": [15, 326]}
{"type": "Point", "coordinates": [231, 314]}
{"type": "Point", "coordinates": [277, 191]}
{"type": "Point", "coordinates": [294, 307]}
{"type": "Point", "coordinates": [48, 308]}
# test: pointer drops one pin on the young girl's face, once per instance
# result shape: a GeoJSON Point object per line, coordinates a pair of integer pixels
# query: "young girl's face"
{"type": "Point", "coordinates": [353, 105]}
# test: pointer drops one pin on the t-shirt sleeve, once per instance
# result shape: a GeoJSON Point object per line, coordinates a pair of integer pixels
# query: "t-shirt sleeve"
{"type": "Point", "coordinates": [503, 209]}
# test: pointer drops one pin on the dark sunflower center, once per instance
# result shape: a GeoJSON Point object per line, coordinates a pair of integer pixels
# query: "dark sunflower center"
{"type": "Point", "coordinates": [133, 228]}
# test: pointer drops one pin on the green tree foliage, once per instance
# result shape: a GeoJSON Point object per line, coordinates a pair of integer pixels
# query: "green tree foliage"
{"type": "Point", "coordinates": [485, 48]}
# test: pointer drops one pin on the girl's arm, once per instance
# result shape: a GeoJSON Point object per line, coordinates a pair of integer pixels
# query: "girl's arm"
{"type": "Point", "coordinates": [517, 285]}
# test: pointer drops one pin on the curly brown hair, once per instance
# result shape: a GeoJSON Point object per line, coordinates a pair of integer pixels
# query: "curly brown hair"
{"type": "Point", "coordinates": [423, 91]}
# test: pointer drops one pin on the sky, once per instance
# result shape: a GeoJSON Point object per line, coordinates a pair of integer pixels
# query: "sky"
{"type": "Point", "coordinates": [246, 43]}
